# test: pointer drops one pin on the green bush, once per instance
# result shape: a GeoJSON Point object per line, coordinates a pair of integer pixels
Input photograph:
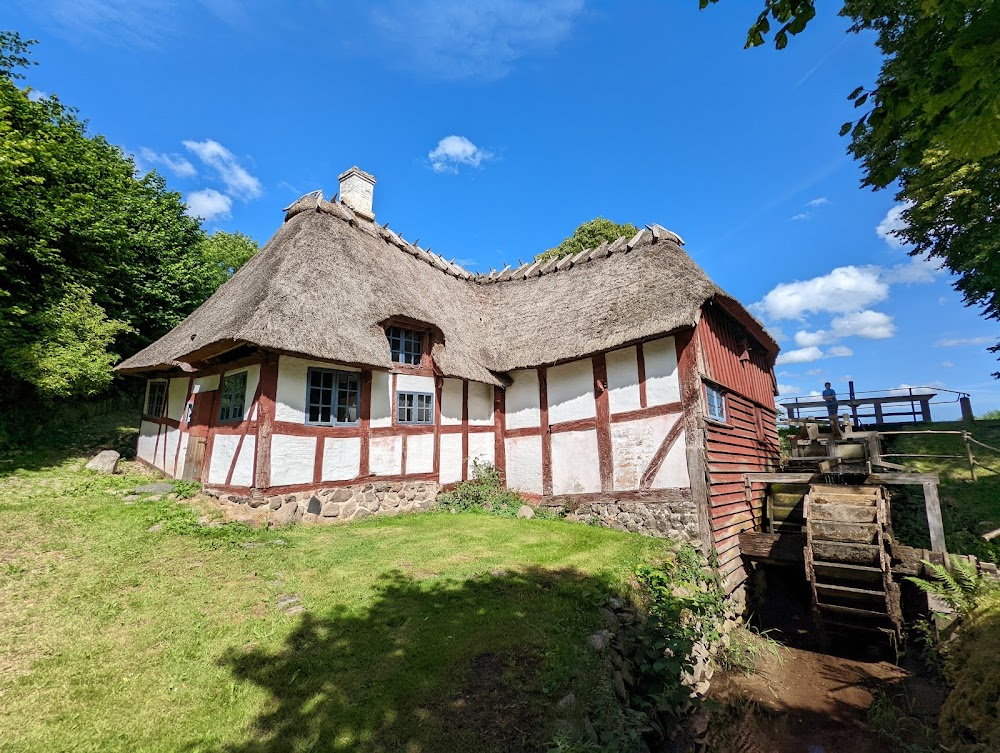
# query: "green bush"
{"type": "Point", "coordinates": [484, 493]}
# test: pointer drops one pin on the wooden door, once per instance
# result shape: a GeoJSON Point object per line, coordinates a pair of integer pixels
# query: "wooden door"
{"type": "Point", "coordinates": [200, 411]}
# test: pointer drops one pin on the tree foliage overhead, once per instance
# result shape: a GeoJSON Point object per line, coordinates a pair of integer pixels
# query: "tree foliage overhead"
{"type": "Point", "coordinates": [94, 260]}
{"type": "Point", "coordinates": [588, 235]}
{"type": "Point", "coordinates": [930, 125]}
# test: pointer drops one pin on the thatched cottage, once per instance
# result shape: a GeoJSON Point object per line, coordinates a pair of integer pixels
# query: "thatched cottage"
{"type": "Point", "coordinates": [342, 357]}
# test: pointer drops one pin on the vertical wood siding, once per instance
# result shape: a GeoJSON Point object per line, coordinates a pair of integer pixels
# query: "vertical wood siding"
{"type": "Point", "coordinates": [746, 442]}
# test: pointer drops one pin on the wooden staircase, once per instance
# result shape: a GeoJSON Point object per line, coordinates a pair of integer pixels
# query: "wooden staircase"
{"type": "Point", "coordinates": [847, 530]}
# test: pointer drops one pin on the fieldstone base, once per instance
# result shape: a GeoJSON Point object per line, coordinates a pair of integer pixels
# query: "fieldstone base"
{"type": "Point", "coordinates": [673, 520]}
{"type": "Point", "coordinates": [342, 503]}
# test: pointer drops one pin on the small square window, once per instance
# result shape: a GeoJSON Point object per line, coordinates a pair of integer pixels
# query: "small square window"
{"type": "Point", "coordinates": [414, 408]}
{"type": "Point", "coordinates": [156, 398]}
{"type": "Point", "coordinates": [715, 403]}
{"type": "Point", "coordinates": [233, 399]}
{"type": "Point", "coordinates": [333, 397]}
{"type": "Point", "coordinates": [407, 345]}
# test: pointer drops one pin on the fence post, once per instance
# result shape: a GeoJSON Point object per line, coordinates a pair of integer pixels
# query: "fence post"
{"type": "Point", "coordinates": [966, 404]}
{"type": "Point", "coordinates": [968, 451]}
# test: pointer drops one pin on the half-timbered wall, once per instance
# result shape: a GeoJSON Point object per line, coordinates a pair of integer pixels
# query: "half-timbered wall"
{"type": "Point", "coordinates": [746, 441]}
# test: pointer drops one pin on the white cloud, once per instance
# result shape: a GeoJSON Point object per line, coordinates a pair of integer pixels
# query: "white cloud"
{"type": "Point", "coordinates": [918, 269]}
{"type": "Point", "coordinates": [814, 372]}
{"type": "Point", "coordinates": [175, 163]}
{"type": "Point", "coordinates": [452, 151]}
{"type": "Point", "coordinates": [822, 201]}
{"type": "Point", "coordinates": [947, 364]}
{"type": "Point", "coordinates": [239, 182]}
{"type": "Point", "coordinates": [36, 95]}
{"type": "Point", "coordinates": [209, 204]}
{"type": "Point", "coordinates": [788, 389]}
{"type": "Point", "coordinates": [873, 325]}
{"type": "Point", "coordinates": [805, 339]}
{"type": "Point", "coordinates": [800, 216]}
{"type": "Point", "coordinates": [839, 351]}
{"type": "Point", "coordinates": [456, 39]}
{"type": "Point", "coordinates": [800, 355]}
{"type": "Point", "coordinates": [891, 224]}
{"type": "Point", "coordinates": [955, 342]}
{"type": "Point", "coordinates": [843, 290]}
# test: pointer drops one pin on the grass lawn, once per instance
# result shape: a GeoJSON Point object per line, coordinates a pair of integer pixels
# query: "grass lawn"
{"type": "Point", "coordinates": [970, 508]}
{"type": "Point", "coordinates": [429, 632]}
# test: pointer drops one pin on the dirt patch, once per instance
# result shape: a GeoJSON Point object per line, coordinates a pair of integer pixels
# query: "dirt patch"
{"type": "Point", "coordinates": [807, 702]}
{"type": "Point", "coordinates": [497, 709]}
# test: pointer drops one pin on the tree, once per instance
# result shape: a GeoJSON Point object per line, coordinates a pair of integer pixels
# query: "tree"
{"type": "Point", "coordinates": [588, 235]}
{"type": "Point", "coordinates": [94, 260]}
{"type": "Point", "coordinates": [932, 127]}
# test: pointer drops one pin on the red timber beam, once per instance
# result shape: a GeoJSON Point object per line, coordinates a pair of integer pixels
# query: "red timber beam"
{"type": "Point", "coordinates": [640, 362]}
{"type": "Point", "coordinates": [465, 430]}
{"type": "Point", "coordinates": [438, 389]}
{"type": "Point", "coordinates": [605, 452]}
{"type": "Point", "coordinates": [646, 480]}
{"type": "Point", "coordinates": [254, 404]}
{"type": "Point", "coordinates": [686, 344]}
{"type": "Point", "coordinates": [499, 430]}
{"type": "Point", "coordinates": [365, 423]}
{"type": "Point", "coordinates": [267, 390]}
{"type": "Point", "coordinates": [543, 404]}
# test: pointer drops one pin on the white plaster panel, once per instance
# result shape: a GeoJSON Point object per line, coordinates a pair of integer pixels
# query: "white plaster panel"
{"type": "Point", "coordinates": [673, 474]}
{"type": "Point", "coordinates": [381, 409]}
{"type": "Point", "coordinates": [290, 395]}
{"type": "Point", "coordinates": [480, 404]}
{"type": "Point", "coordinates": [292, 459]}
{"type": "Point", "coordinates": [662, 384]}
{"type": "Point", "coordinates": [386, 456]}
{"type": "Point", "coordinates": [206, 383]}
{"type": "Point", "coordinates": [451, 458]}
{"type": "Point", "coordinates": [623, 380]}
{"type": "Point", "coordinates": [420, 453]}
{"type": "Point", "coordinates": [576, 468]}
{"type": "Point", "coordinates": [341, 458]}
{"type": "Point", "coordinates": [633, 444]}
{"type": "Point", "coordinates": [223, 450]}
{"type": "Point", "coordinates": [482, 447]}
{"type": "Point", "coordinates": [147, 440]}
{"type": "Point", "coordinates": [451, 403]}
{"type": "Point", "coordinates": [243, 472]}
{"type": "Point", "coordinates": [416, 383]}
{"type": "Point", "coordinates": [176, 397]}
{"type": "Point", "coordinates": [571, 391]}
{"type": "Point", "coordinates": [168, 450]}
{"type": "Point", "coordinates": [182, 455]}
{"type": "Point", "coordinates": [522, 405]}
{"type": "Point", "coordinates": [524, 464]}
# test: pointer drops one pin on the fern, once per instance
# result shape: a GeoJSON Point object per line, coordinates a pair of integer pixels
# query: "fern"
{"type": "Point", "coordinates": [960, 588]}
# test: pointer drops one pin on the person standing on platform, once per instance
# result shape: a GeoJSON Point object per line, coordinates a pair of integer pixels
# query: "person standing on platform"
{"type": "Point", "coordinates": [830, 398]}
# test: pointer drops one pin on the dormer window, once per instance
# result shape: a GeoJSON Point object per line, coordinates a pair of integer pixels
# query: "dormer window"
{"type": "Point", "coordinates": [407, 345]}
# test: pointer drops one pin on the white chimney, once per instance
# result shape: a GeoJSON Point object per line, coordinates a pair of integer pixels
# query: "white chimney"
{"type": "Point", "coordinates": [357, 189]}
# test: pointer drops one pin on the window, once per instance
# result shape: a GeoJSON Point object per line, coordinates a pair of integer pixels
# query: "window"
{"type": "Point", "coordinates": [333, 397]}
{"type": "Point", "coordinates": [715, 403]}
{"type": "Point", "coordinates": [414, 408]}
{"type": "Point", "coordinates": [234, 390]}
{"type": "Point", "coordinates": [407, 345]}
{"type": "Point", "coordinates": [156, 398]}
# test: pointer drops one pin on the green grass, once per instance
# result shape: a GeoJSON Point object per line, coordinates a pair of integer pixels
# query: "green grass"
{"type": "Point", "coordinates": [117, 638]}
{"type": "Point", "coordinates": [969, 508]}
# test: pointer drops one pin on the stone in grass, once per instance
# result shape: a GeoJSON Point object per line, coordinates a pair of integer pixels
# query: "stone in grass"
{"type": "Point", "coordinates": [105, 461]}
{"type": "Point", "coordinates": [525, 512]}
{"type": "Point", "coordinates": [155, 528]}
{"type": "Point", "coordinates": [157, 488]}
{"type": "Point", "coordinates": [600, 640]}
{"type": "Point", "coordinates": [284, 515]}
{"type": "Point", "coordinates": [129, 499]}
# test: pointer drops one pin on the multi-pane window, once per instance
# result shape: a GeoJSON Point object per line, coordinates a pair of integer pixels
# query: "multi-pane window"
{"type": "Point", "coordinates": [715, 403]}
{"type": "Point", "coordinates": [333, 397]}
{"type": "Point", "coordinates": [233, 399]}
{"type": "Point", "coordinates": [407, 345]}
{"type": "Point", "coordinates": [156, 398]}
{"type": "Point", "coordinates": [414, 408]}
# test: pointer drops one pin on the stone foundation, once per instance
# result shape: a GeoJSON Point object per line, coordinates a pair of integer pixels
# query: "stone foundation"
{"type": "Point", "coordinates": [342, 503]}
{"type": "Point", "coordinates": [665, 516]}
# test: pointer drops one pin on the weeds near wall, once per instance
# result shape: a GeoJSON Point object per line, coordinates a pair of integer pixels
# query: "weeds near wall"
{"type": "Point", "coordinates": [484, 493]}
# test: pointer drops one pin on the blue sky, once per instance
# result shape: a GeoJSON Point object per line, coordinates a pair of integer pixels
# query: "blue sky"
{"type": "Point", "coordinates": [495, 127]}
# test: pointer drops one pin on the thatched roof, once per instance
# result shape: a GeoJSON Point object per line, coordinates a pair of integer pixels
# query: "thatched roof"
{"type": "Point", "coordinates": [328, 280]}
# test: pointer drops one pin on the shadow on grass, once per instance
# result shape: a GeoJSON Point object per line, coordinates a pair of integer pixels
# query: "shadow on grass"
{"type": "Point", "coordinates": [427, 666]}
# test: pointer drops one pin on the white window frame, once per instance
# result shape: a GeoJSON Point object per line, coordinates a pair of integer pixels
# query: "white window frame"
{"type": "Point", "coordinates": [715, 403]}
{"type": "Point", "coordinates": [415, 407]}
